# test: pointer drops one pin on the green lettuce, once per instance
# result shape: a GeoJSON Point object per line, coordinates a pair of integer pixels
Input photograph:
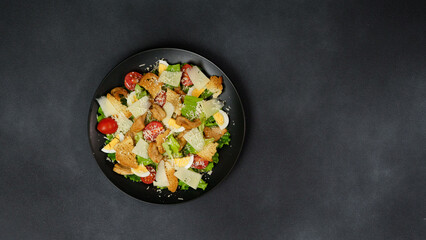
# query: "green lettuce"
{"type": "Point", "coordinates": [101, 114]}
{"type": "Point", "coordinates": [173, 68]}
{"type": "Point", "coordinates": [224, 140]}
{"type": "Point", "coordinates": [190, 107]}
{"type": "Point", "coordinates": [133, 178]}
{"type": "Point", "coordinates": [145, 161]}
{"type": "Point", "coordinates": [140, 92]}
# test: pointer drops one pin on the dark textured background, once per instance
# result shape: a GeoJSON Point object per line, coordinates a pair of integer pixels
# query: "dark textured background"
{"type": "Point", "coordinates": [334, 93]}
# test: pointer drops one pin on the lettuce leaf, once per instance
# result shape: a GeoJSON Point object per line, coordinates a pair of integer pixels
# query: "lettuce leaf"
{"type": "Point", "coordinates": [101, 114]}
{"type": "Point", "coordinates": [190, 107]}
{"type": "Point", "coordinates": [112, 157]}
{"type": "Point", "coordinates": [224, 140]}
{"type": "Point", "coordinates": [145, 161]}
{"type": "Point", "coordinates": [140, 92]}
{"type": "Point", "coordinates": [173, 68]}
{"type": "Point", "coordinates": [133, 178]}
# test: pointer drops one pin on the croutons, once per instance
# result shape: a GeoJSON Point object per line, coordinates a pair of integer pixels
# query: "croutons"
{"type": "Point", "coordinates": [208, 151]}
{"type": "Point", "coordinates": [215, 86]}
{"type": "Point", "coordinates": [124, 155]}
{"type": "Point", "coordinates": [118, 168]}
{"type": "Point", "coordinates": [150, 83]}
{"type": "Point", "coordinates": [214, 132]}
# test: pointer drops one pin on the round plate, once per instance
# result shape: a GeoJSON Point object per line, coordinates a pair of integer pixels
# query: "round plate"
{"type": "Point", "coordinates": [228, 155]}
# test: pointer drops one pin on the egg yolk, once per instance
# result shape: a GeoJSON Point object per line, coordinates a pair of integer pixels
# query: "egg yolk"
{"type": "Point", "coordinates": [218, 118]}
{"type": "Point", "coordinates": [111, 145]}
{"type": "Point", "coordinates": [161, 68]}
{"type": "Point", "coordinates": [173, 124]}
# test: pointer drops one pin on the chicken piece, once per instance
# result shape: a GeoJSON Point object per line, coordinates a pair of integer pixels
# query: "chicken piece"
{"type": "Point", "coordinates": [181, 140]}
{"type": "Point", "coordinates": [175, 99]}
{"type": "Point", "coordinates": [173, 181]}
{"type": "Point", "coordinates": [118, 168]}
{"type": "Point", "coordinates": [153, 153]}
{"type": "Point", "coordinates": [208, 151]}
{"type": "Point", "coordinates": [116, 92]}
{"type": "Point", "coordinates": [160, 140]}
{"type": "Point", "coordinates": [138, 124]}
{"type": "Point", "coordinates": [214, 132]}
{"type": "Point", "coordinates": [186, 123]}
{"type": "Point", "coordinates": [158, 112]}
{"type": "Point", "coordinates": [179, 91]}
{"type": "Point", "coordinates": [124, 155]}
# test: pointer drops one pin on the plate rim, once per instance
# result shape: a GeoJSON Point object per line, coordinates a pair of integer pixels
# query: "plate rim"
{"type": "Point", "coordinates": [93, 100]}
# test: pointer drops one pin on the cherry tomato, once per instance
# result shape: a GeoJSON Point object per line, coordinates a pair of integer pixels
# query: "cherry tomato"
{"type": "Point", "coordinates": [107, 126]}
{"type": "Point", "coordinates": [185, 80]}
{"type": "Point", "coordinates": [131, 79]}
{"type": "Point", "coordinates": [160, 99]}
{"type": "Point", "coordinates": [199, 163]}
{"type": "Point", "coordinates": [151, 177]}
{"type": "Point", "coordinates": [152, 130]}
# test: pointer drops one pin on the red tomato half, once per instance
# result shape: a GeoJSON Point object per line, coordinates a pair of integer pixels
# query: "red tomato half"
{"type": "Point", "coordinates": [151, 177]}
{"type": "Point", "coordinates": [131, 79]}
{"type": "Point", "coordinates": [160, 99]}
{"type": "Point", "coordinates": [185, 80]}
{"type": "Point", "coordinates": [107, 126]}
{"type": "Point", "coordinates": [199, 163]}
{"type": "Point", "coordinates": [152, 130]}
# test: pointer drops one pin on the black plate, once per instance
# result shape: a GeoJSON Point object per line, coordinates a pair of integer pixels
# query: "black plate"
{"type": "Point", "coordinates": [228, 155]}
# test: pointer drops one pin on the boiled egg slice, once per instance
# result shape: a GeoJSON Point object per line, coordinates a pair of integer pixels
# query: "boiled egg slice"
{"type": "Point", "coordinates": [140, 171]}
{"type": "Point", "coordinates": [162, 66]}
{"type": "Point", "coordinates": [184, 162]}
{"type": "Point", "coordinates": [109, 148]}
{"type": "Point", "coordinates": [221, 119]}
{"type": "Point", "coordinates": [174, 126]}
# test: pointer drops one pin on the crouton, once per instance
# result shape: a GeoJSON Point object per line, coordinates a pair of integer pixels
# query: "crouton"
{"type": "Point", "coordinates": [123, 153]}
{"type": "Point", "coordinates": [214, 132]}
{"type": "Point", "coordinates": [118, 168]}
{"type": "Point", "coordinates": [215, 86]}
{"type": "Point", "coordinates": [208, 151]}
{"type": "Point", "coordinates": [150, 83]}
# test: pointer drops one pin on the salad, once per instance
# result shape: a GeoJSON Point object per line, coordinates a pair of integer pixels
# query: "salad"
{"type": "Point", "coordinates": [164, 127]}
